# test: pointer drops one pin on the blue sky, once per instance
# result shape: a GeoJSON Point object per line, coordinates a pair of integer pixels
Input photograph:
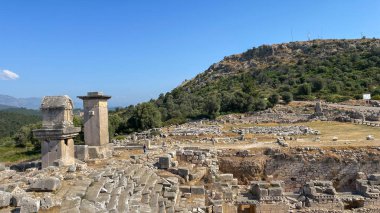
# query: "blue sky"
{"type": "Point", "coordinates": [135, 50]}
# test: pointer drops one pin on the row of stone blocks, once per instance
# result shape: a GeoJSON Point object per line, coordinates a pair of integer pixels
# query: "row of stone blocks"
{"type": "Point", "coordinates": [130, 188]}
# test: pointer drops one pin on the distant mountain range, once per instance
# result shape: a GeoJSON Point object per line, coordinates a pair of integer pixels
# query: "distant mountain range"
{"type": "Point", "coordinates": [7, 101]}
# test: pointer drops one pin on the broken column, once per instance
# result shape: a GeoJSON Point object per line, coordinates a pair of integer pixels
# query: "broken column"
{"type": "Point", "coordinates": [318, 110]}
{"type": "Point", "coordinates": [58, 131]}
{"type": "Point", "coordinates": [96, 134]}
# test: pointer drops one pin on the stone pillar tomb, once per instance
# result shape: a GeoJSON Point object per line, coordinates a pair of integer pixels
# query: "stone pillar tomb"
{"type": "Point", "coordinates": [96, 134]}
{"type": "Point", "coordinates": [58, 131]}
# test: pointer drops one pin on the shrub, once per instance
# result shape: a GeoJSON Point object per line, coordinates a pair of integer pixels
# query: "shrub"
{"type": "Point", "coordinates": [287, 97]}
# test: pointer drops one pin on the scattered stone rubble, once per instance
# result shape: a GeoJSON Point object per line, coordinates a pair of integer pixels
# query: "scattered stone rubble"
{"type": "Point", "coordinates": [278, 130]}
{"type": "Point", "coordinates": [195, 130]}
{"type": "Point", "coordinates": [184, 179]}
{"type": "Point", "coordinates": [180, 176]}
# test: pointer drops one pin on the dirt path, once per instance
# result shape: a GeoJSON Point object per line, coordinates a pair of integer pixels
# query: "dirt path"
{"type": "Point", "coordinates": [344, 106]}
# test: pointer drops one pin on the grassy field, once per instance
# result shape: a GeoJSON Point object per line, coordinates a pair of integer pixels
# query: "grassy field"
{"type": "Point", "coordinates": [14, 154]}
{"type": "Point", "coordinates": [348, 134]}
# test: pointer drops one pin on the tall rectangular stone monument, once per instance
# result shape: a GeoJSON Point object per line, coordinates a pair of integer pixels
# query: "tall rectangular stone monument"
{"type": "Point", "coordinates": [58, 131]}
{"type": "Point", "coordinates": [96, 134]}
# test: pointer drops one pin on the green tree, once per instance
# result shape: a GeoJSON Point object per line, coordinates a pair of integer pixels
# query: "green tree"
{"type": "Point", "coordinates": [212, 107]}
{"type": "Point", "coordinates": [304, 89]}
{"type": "Point", "coordinates": [287, 97]}
{"type": "Point", "coordinates": [273, 99]}
{"type": "Point", "coordinates": [114, 123]}
{"type": "Point", "coordinates": [145, 117]}
{"type": "Point", "coordinates": [317, 84]}
{"type": "Point", "coordinates": [260, 104]}
{"type": "Point", "coordinates": [78, 122]}
{"type": "Point", "coordinates": [24, 136]}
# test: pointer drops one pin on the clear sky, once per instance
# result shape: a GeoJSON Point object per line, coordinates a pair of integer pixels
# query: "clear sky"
{"type": "Point", "coordinates": [135, 50]}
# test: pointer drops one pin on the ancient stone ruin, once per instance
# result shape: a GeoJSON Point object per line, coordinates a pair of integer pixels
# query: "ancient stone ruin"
{"type": "Point", "coordinates": [237, 164]}
{"type": "Point", "coordinates": [96, 135]}
{"type": "Point", "coordinates": [58, 131]}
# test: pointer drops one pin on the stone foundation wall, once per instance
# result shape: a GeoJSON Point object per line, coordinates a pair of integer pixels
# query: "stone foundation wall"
{"type": "Point", "coordinates": [296, 173]}
{"type": "Point", "coordinates": [296, 169]}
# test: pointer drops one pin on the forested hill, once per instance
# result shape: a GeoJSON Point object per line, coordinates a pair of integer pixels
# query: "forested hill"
{"type": "Point", "coordinates": [333, 70]}
{"type": "Point", "coordinates": [11, 120]}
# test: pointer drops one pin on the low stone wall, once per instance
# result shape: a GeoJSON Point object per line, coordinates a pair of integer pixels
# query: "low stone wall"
{"type": "Point", "coordinates": [297, 168]}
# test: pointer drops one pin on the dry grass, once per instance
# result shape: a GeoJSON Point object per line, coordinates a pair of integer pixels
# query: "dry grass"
{"type": "Point", "coordinates": [349, 135]}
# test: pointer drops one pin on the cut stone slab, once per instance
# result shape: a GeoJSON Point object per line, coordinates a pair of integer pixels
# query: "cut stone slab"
{"type": "Point", "coordinates": [5, 199]}
{"type": "Point", "coordinates": [70, 205]}
{"type": "Point", "coordinates": [183, 172]}
{"type": "Point", "coordinates": [275, 191]}
{"type": "Point", "coordinates": [81, 152]}
{"type": "Point", "coordinates": [94, 190]}
{"type": "Point", "coordinates": [164, 162]}
{"type": "Point", "coordinates": [226, 177]}
{"type": "Point", "coordinates": [47, 202]}
{"type": "Point", "coordinates": [172, 180]}
{"type": "Point", "coordinates": [29, 205]}
{"type": "Point", "coordinates": [197, 190]}
{"type": "Point", "coordinates": [48, 184]}
{"type": "Point", "coordinates": [185, 189]}
{"type": "Point", "coordinates": [170, 195]}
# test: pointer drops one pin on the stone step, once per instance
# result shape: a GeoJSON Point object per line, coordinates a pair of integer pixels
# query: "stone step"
{"type": "Point", "coordinates": [71, 205]}
{"type": "Point", "coordinates": [79, 188]}
{"type": "Point", "coordinates": [145, 197]}
{"type": "Point", "coordinates": [94, 190]}
{"type": "Point", "coordinates": [122, 205]}
{"type": "Point", "coordinates": [104, 198]}
{"type": "Point", "coordinates": [114, 201]}
{"type": "Point", "coordinates": [109, 187]}
{"type": "Point", "coordinates": [91, 207]}
{"type": "Point", "coordinates": [96, 175]}
{"type": "Point", "coordinates": [135, 199]}
{"type": "Point", "coordinates": [131, 170]}
{"type": "Point", "coordinates": [139, 175]}
{"type": "Point", "coordinates": [144, 179]}
{"type": "Point", "coordinates": [154, 200]}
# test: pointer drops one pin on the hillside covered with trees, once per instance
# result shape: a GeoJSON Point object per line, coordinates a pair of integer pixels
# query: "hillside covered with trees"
{"type": "Point", "coordinates": [333, 70]}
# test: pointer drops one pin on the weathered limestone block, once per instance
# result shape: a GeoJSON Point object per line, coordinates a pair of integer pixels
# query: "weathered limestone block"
{"type": "Point", "coordinates": [96, 152]}
{"type": "Point", "coordinates": [81, 152]}
{"type": "Point", "coordinates": [185, 189]}
{"type": "Point", "coordinates": [70, 205]}
{"type": "Point", "coordinates": [164, 162]}
{"type": "Point", "coordinates": [46, 184]}
{"type": "Point", "coordinates": [172, 180]}
{"type": "Point", "coordinates": [5, 199]}
{"type": "Point", "coordinates": [275, 191]}
{"type": "Point", "coordinates": [87, 206]}
{"type": "Point", "coordinates": [48, 202]}
{"type": "Point", "coordinates": [29, 205]}
{"type": "Point", "coordinates": [17, 195]}
{"type": "Point", "coordinates": [197, 190]}
{"type": "Point", "coordinates": [188, 152]}
{"type": "Point", "coordinates": [183, 172]}
{"type": "Point", "coordinates": [94, 190]}
{"type": "Point", "coordinates": [262, 192]}
{"type": "Point", "coordinates": [226, 177]}
{"type": "Point", "coordinates": [170, 195]}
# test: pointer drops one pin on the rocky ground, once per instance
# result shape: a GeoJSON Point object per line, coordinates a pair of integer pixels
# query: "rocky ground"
{"type": "Point", "coordinates": [209, 166]}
